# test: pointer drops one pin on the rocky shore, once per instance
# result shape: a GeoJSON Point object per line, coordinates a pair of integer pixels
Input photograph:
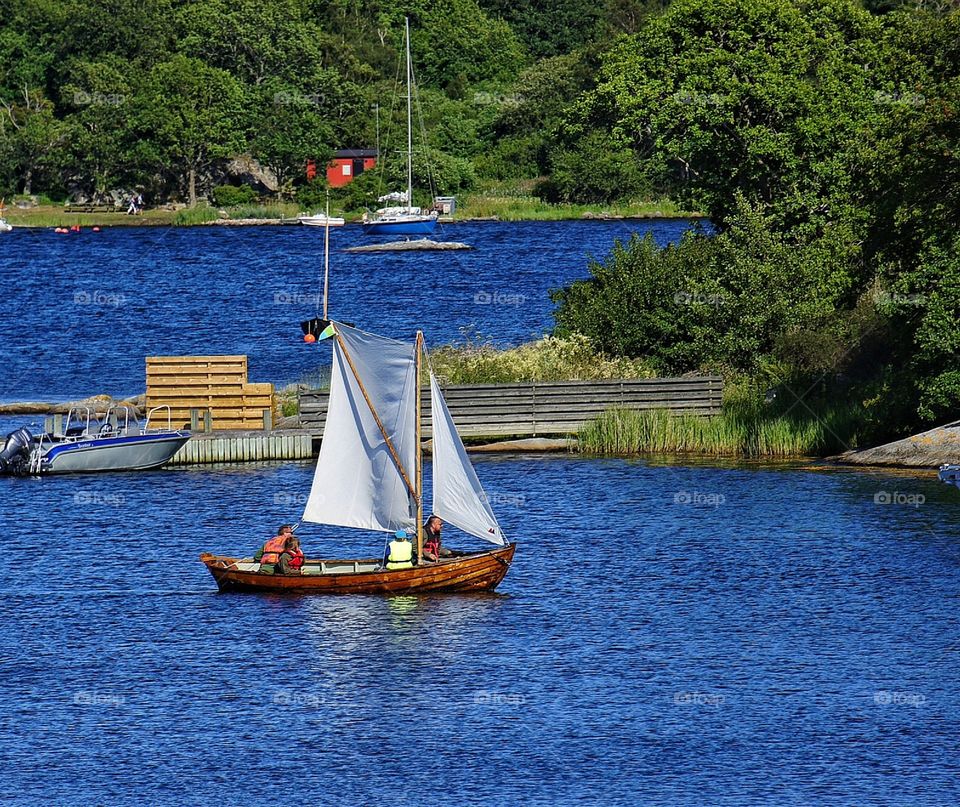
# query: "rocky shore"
{"type": "Point", "coordinates": [929, 449]}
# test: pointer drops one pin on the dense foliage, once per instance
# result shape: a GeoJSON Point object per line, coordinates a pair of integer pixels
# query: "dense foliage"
{"type": "Point", "coordinates": [157, 96]}
{"type": "Point", "coordinates": [822, 140]}
{"type": "Point", "coordinates": [819, 136]}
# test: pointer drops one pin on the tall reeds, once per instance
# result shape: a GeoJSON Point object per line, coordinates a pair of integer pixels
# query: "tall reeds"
{"type": "Point", "coordinates": [744, 428]}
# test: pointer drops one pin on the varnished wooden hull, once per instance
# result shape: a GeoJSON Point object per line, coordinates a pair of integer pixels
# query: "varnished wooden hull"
{"type": "Point", "coordinates": [481, 571]}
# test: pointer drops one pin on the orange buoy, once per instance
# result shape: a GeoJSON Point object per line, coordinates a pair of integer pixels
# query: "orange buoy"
{"type": "Point", "coordinates": [308, 338]}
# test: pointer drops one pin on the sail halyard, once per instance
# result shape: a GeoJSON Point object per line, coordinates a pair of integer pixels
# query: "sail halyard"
{"type": "Point", "coordinates": [363, 473]}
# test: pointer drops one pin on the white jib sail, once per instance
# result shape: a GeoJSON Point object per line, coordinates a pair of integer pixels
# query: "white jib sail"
{"type": "Point", "coordinates": [357, 482]}
{"type": "Point", "coordinates": [458, 496]}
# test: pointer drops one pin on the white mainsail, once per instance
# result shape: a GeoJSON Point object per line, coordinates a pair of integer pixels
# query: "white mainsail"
{"type": "Point", "coordinates": [458, 496]}
{"type": "Point", "coordinates": [357, 482]}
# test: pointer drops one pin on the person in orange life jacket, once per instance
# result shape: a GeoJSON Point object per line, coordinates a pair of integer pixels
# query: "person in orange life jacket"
{"type": "Point", "coordinates": [278, 541]}
{"type": "Point", "coordinates": [291, 559]}
{"type": "Point", "coordinates": [433, 548]}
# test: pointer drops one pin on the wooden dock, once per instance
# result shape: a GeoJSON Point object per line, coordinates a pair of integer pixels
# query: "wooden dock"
{"type": "Point", "coordinates": [245, 446]}
{"type": "Point", "coordinates": [494, 411]}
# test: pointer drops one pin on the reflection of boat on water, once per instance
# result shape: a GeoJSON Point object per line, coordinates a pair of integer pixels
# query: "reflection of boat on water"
{"type": "Point", "coordinates": [950, 474]}
{"type": "Point", "coordinates": [403, 219]}
{"type": "Point", "coordinates": [321, 220]}
{"type": "Point", "coordinates": [370, 476]}
{"type": "Point", "coordinates": [90, 442]}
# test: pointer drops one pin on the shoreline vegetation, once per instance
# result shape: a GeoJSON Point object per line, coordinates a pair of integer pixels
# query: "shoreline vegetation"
{"type": "Point", "coordinates": [748, 426]}
{"type": "Point", "coordinates": [475, 208]}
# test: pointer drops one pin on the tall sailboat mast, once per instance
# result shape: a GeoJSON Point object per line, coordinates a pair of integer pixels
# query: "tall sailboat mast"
{"type": "Point", "coordinates": [419, 446]}
{"type": "Point", "coordinates": [409, 120]}
{"type": "Point", "coordinates": [326, 256]}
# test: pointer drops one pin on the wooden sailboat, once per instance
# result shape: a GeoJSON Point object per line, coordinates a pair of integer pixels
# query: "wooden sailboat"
{"type": "Point", "coordinates": [369, 476]}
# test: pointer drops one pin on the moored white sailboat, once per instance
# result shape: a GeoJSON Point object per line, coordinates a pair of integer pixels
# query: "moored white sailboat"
{"type": "Point", "coordinates": [369, 476]}
{"type": "Point", "coordinates": [403, 219]}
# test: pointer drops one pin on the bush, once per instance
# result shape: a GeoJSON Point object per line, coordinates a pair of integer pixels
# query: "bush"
{"type": "Point", "coordinates": [233, 195]}
{"type": "Point", "coordinates": [547, 359]}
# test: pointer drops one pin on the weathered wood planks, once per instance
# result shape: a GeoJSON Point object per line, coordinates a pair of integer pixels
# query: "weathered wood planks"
{"type": "Point", "coordinates": [217, 384]}
{"type": "Point", "coordinates": [557, 407]}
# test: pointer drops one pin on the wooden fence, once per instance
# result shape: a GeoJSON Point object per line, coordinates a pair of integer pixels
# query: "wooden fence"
{"type": "Point", "coordinates": [558, 407]}
{"type": "Point", "coordinates": [214, 384]}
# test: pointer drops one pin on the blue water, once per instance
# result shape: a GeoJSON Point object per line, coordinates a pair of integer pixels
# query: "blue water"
{"type": "Point", "coordinates": [82, 311]}
{"type": "Point", "coordinates": [669, 634]}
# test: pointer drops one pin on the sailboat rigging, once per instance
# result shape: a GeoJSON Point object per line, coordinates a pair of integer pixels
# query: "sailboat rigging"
{"type": "Point", "coordinates": [403, 219]}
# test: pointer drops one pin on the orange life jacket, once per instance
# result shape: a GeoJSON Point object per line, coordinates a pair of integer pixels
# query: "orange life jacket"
{"type": "Point", "coordinates": [272, 550]}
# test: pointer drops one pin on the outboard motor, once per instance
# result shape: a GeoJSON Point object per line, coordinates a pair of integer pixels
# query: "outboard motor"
{"type": "Point", "coordinates": [15, 457]}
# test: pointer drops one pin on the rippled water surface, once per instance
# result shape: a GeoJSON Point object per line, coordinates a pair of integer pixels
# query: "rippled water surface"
{"type": "Point", "coordinates": [81, 311]}
{"type": "Point", "coordinates": [669, 634]}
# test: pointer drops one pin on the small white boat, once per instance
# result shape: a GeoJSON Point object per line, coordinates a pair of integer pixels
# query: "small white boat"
{"type": "Point", "coordinates": [5, 227]}
{"type": "Point", "coordinates": [321, 220]}
{"type": "Point", "coordinates": [113, 441]}
{"type": "Point", "coordinates": [950, 474]}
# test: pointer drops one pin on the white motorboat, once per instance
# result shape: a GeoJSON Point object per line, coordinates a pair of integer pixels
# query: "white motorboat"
{"type": "Point", "coordinates": [5, 226]}
{"type": "Point", "coordinates": [112, 441]}
{"type": "Point", "coordinates": [321, 220]}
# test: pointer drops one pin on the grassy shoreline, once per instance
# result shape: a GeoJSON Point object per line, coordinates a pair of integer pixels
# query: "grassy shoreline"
{"type": "Point", "coordinates": [474, 207]}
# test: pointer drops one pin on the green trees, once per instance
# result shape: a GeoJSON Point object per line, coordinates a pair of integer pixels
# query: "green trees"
{"type": "Point", "coordinates": [194, 113]}
{"type": "Point", "coordinates": [822, 143]}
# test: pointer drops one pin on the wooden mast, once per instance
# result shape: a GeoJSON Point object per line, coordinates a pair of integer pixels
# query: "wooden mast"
{"type": "Point", "coordinates": [419, 468]}
{"type": "Point", "coordinates": [326, 256]}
